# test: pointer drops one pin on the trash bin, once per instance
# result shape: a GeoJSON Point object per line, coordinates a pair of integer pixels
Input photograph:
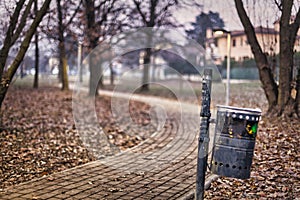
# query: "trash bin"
{"type": "Point", "coordinates": [234, 141]}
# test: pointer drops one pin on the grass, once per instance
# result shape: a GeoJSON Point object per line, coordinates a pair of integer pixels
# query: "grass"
{"type": "Point", "coordinates": [243, 93]}
{"type": "Point", "coordinates": [27, 81]}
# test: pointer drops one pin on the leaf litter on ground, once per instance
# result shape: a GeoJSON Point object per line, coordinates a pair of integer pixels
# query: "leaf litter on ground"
{"type": "Point", "coordinates": [43, 140]}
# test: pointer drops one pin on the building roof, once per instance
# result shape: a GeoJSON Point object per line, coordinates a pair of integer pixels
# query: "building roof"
{"type": "Point", "coordinates": [259, 29]}
{"type": "Point", "coordinates": [292, 19]}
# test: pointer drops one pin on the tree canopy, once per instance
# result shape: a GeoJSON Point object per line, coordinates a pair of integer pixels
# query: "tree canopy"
{"type": "Point", "coordinates": [203, 22]}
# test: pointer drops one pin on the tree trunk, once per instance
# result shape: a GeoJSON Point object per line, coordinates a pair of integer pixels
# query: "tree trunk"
{"type": "Point", "coordinates": [297, 104]}
{"type": "Point", "coordinates": [62, 50]}
{"type": "Point", "coordinates": [79, 64]}
{"type": "Point", "coordinates": [112, 75]}
{"type": "Point", "coordinates": [265, 71]}
{"type": "Point", "coordinates": [286, 58]}
{"type": "Point", "coordinates": [37, 56]}
{"type": "Point", "coordinates": [147, 57]}
{"type": "Point", "coordinates": [96, 78]}
{"type": "Point", "coordinates": [65, 81]}
{"type": "Point", "coordinates": [36, 66]}
{"type": "Point", "coordinates": [147, 62]}
{"type": "Point", "coordinates": [93, 42]}
{"type": "Point", "coordinates": [22, 71]}
{"type": "Point", "coordinates": [3, 90]}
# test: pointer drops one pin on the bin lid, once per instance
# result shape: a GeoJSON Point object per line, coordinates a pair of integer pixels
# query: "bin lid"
{"type": "Point", "coordinates": [241, 113]}
{"type": "Point", "coordinates": [239, 109]}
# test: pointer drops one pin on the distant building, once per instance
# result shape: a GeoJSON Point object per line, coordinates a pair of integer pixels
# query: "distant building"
{"type": "Point", "coordinates": [268, 39]}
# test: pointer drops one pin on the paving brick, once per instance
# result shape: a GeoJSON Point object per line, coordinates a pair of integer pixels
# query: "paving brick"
{"type": "Point", "coordinates": [40, 196]}
{"type": "Point", "coordinates": [10, 195]}
{"type": "Point", "coordinates": [20, 198]}
{"type": "Point", "coordinates": [81, 195]}
{"type": "Point", "coordinates": [64, 183]}
{"type": "Point", "coordinates": [27, 191]}
{"type": "Point", "coordinates": [62, 196]}
{"type": "Point", "coordinates": [72, 192]}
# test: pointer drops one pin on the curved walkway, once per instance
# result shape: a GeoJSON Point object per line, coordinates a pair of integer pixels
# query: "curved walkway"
{"type": "Point", "coordinates": [162, 167]}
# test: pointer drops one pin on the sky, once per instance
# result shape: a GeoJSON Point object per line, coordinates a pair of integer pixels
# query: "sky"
{"type": "Point", "coordinates": [262, 12]}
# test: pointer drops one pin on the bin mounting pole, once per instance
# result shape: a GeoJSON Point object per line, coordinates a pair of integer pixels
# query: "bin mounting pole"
{"type": "Point", "coordinates": [204, 134]}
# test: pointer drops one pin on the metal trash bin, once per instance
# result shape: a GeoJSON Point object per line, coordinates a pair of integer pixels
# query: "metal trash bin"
{"type": "Point", "coordinates": [234, 142]}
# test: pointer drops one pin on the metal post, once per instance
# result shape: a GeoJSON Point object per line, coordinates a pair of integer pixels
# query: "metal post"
{"type": "Point", "coordinates": [228, 67]}
{"type": "Point", "coordinates": [204, 135]}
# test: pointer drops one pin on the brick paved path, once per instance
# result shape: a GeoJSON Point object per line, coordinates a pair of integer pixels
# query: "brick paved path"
{"type": "Point", "coordinates": [162, 167]}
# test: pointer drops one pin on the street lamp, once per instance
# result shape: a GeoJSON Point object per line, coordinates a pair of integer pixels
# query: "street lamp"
{"type": "Point", "coordinates": [222, 32]}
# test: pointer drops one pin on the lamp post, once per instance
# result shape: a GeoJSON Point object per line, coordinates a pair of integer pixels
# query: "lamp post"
{"type": "Point", "coordinates": [228, 33]}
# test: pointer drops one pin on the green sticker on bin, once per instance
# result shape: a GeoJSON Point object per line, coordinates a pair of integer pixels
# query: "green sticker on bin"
{"type": "Point", "coordinates": [254, 128]}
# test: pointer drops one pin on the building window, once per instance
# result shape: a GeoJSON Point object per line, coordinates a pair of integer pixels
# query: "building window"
{"type": "Point", "coordinates": [246, 58]}
{"type": "Point", "coordinates": [241, 41]}
{"type": "Point", "coordinates": [233, 42]}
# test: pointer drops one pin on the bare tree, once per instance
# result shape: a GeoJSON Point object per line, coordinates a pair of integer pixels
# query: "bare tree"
{"type": "Point", "coordinates": [15, 28]}
{"type": "Point", "coordinates": [62, 22]}
{"type": "Point", "coordinates": [279, 96]}
{"type": "Point", "coordinates": [152, 13]}
{"type": "Point", "coordinates": [102, 20]}
{"type": "Point", "coordinates": [156, 13]}
{"type": "Point", "coordinates": [62, 49]}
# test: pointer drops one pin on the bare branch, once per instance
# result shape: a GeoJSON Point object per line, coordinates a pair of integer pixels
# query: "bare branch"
{"type": "Point", "coordinates": [100, 5]}
{"type": "Point", "coordinates": [25, 44]}
{"type": "Point", "coordinates": [7, 41]}
{"type": "Point", "coordinates": [138, 7]}
{"type": "Point", "coordinates": [295, 26]}
{"type": "Point", "coordinates": [278, 4]}
{"type": "Point", "coordinates": [22, 22]}
{"type": "Point", "coordinates": [74, 14]}
{"type": "Point", "coordinates": [166, 7]}
{"type": "Point", "coordinates": [249, 29]}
